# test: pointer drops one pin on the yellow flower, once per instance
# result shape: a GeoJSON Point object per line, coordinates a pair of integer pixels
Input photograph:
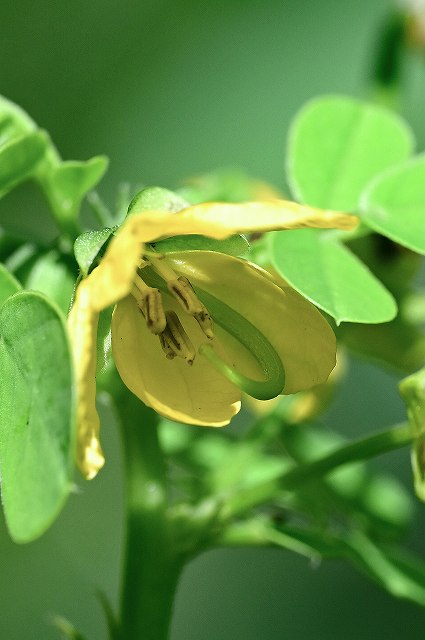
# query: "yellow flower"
{"type": "Point", "coordinates": [191, 329]}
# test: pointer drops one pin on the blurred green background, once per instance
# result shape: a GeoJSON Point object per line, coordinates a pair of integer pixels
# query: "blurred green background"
{"type": "Point", "coordinates": [168, 89]}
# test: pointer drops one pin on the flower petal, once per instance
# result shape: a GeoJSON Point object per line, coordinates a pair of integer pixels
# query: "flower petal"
{"type": "Point", "coordinates": [195, 394]}
{"type": "Point", "coordinates": [112, 280]}
{"type": "Point", "coordinates": [219, 220]}
{"type": "Point", "coordinates": [82, 324]}
{"type": "Point", "coordinates": [294, 327]}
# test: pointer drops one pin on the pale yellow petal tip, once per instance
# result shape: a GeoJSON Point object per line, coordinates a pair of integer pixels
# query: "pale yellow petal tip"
{"type": "Point", "coordinates": [324, 218]}
{"type": "Point", "coordinates": [344, 221]}
{"type": "Point", "coordinates": [91, 459]}
{"type": "Point", "coordinates": [197, 420]}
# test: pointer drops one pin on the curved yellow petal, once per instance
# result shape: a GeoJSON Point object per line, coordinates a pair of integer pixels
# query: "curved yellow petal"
{"type": "Point", "coordinates": [295, 328]}
{"type": "Point", "coordinates": [195, 394]}
{"type": "Point", "coordinates": [112, 280]}
{"type": "Point", "coordinates": [82, 325]}
{"type": "Point", "coordinates": [269, 215]}
{"type": "Point", "coordinates": [221, 219]}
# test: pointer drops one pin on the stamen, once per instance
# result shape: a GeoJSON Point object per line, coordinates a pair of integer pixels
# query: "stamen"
{"type": "Point", "coordinates": [143, 263]}
{"type": "Point", "coordinates": [204, 320]}
{"type": "Point", "coordinates": [161, 266]}
{"type": "Point", "coordinates": [183, 292]}
{"type": "Point", "coordinates": [174, 339]}
{"type": "Point", "coordinates": [149, 301]}
{"type": "Point", "coordinates": [169, 353]}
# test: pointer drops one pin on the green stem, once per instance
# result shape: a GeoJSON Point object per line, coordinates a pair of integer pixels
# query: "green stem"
{"type": "Point", "coordinates": [151, 565]}
{"type": "Point", "coordinates": [394, 438]}
{"type": "Point", "coordinates": [398, 436]}
{"type": "Point", "coordinates": [100, 210]}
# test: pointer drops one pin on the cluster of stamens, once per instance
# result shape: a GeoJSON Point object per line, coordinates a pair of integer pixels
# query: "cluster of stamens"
{"type": "Point", "coordinates": [166, 324]}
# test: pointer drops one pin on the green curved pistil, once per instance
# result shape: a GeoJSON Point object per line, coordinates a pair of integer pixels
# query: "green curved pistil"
{"type": "Point", "coordinates": [254, 341]}
{"type": "Point", "coordinates": [247, 335]}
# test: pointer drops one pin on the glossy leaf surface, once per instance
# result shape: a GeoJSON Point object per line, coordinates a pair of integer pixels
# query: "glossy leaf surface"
{"type": "Point", "coordinates": [337, 145]}
{"type": "Point", "coordinates": [331, 277]}
{"type": "Point", "coordinates": [394, 204]}
{"type": "Point", "coordinates": [36, 414]}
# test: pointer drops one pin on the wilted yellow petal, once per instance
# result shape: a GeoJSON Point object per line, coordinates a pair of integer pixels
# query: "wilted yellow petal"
{"type": "Point", "coordinates": [195, 394]}
{"type": "Point", "coordinates": [112, 280]}
{"type": "Point", "coordinates": [294, 327]}
{"type": "Point", "coordinates": [219, 220]}
{"type": "Point", "coordinates": [82, 324]}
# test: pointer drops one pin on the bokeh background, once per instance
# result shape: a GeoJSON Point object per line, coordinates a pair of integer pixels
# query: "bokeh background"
{"type": "Point", "coordinates": [168, 89]}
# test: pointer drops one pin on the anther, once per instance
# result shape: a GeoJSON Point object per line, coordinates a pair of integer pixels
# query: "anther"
{"type": "Point", "coordinates": [174, 339]}
{"type": "Point", "coordinates": [183, 292]}
{"type": "Point", "coordinates": [149, 302]}
{"type": "Point", "coordinates": [169, 353]}
{"type": "Point", "coordinates": [204, 320]}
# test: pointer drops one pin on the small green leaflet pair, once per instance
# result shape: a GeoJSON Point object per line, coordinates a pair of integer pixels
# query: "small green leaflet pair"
{"type": "Point", "coordinates": [355, 157]}
{"type": "Point", "coordinates": [37, 410]}
{"type": "Point", "coordinates": [27, 153]}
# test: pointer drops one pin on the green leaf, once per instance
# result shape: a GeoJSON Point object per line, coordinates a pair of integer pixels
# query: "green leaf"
{"type": "Point", "coordinates": [398, 343]}
{"type": "Point", "coordinates": [19, 159]}
{"type": "Point", "coordinates": [156, 199]}
{"type": "Point", "coordinates": [8, 284]}
{"type": "Point", "coordinates": [337, 145]}
{"type": "Point", "coordinates": [394, 204]}
{"type": "Point", "coordinates": [37, 414]}
{"type": "Point", "coordinates": [330, 276]}
{"type": "Point", "coordinates": [14, 122]}
{"type": "Point", "coordinates": [49, 274]}
{"type": "Point", "coordinates": [66, 184]}
{"type": "Point", "coordinates": [88, 245]}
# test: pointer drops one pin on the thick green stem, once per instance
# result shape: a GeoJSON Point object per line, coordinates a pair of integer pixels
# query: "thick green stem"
{"type": "Point", "coordinates": [151, 564]}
